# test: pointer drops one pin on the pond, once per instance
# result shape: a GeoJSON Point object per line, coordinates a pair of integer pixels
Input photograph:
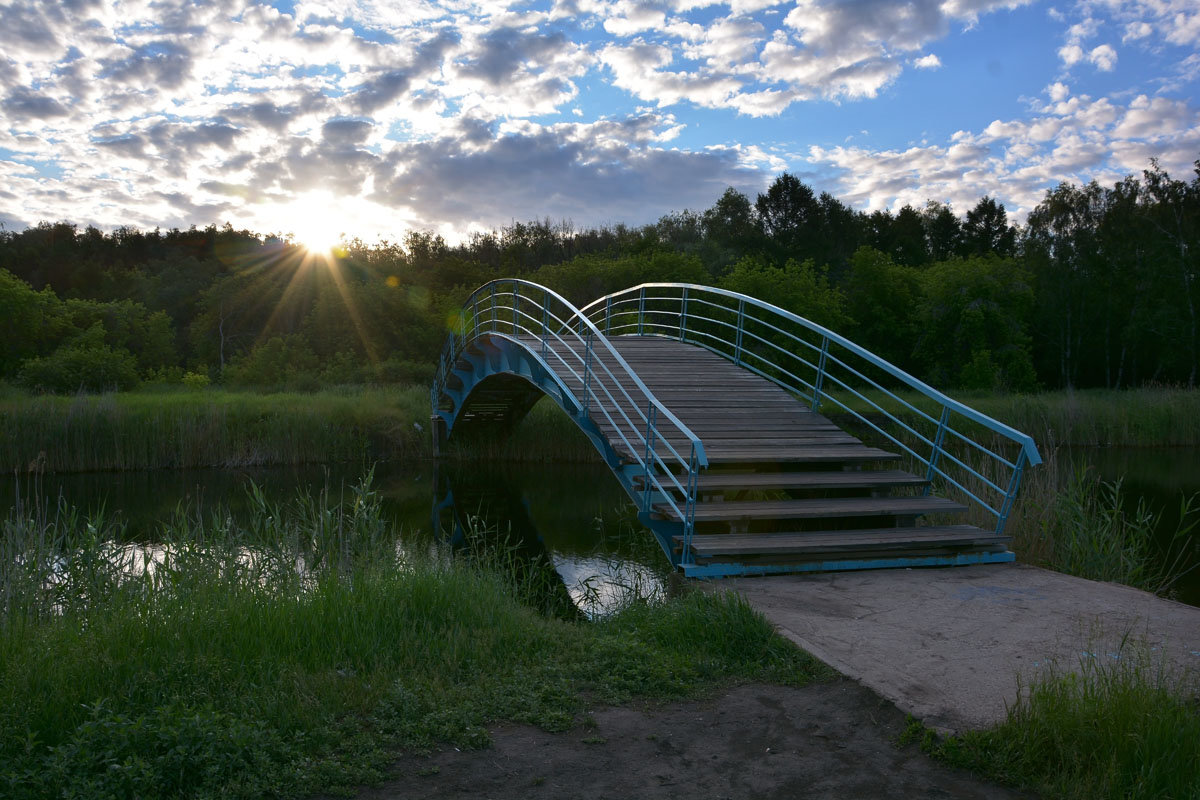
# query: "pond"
{"type": "Point", "coordinates": [1162, 478]}
{"type": "Point", "coordinates": [574, 514]}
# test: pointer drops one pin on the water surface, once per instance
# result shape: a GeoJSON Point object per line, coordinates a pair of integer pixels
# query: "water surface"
{"type": "Point", "coordinates": [576, 515]}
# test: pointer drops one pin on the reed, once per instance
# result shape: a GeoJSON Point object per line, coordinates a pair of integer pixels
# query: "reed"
{"type": "Point", "coordinates": [1146, 417]}
{"type": "Point", "coordinates": [1119, 727]}
{"type": "Point", "coordinates": [1069, 520]}
{"type": "Point", "coordinates": [217, 428]}
{"type": "Point", "coordinates": [295, 648]}
{"type": "Point", "coordinates": [150, 430]}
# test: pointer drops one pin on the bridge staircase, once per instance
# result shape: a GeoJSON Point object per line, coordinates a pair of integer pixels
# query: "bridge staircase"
{"type": "Point", "coordinates": [732, 464]}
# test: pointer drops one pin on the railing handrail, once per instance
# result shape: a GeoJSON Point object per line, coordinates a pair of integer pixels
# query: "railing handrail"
{"type": "Point", "coordinates": [1028, 446]}
{"type": "Point", "coordinates": [577, 314]}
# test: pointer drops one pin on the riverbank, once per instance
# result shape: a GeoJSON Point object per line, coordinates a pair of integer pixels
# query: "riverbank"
{"type": "Point", "coordinates": [300, 648]}
{"type": "Point", "coordinates": [177, 429]}
{"type": "Point", "coordinates": [305, 645]}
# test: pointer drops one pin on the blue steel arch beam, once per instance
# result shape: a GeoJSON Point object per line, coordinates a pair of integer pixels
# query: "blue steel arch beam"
{"type": "Point", "coordinates": [514, 341]}
{"type": "Point", "coordinates": [824, 367]}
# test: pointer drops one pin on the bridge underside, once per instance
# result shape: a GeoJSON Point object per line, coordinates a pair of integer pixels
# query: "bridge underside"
{"type": "Point", "coordinates": [785, 490]}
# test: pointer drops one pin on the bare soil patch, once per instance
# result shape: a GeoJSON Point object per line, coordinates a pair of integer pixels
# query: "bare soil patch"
{"type": "Point", "coordinates": [827, 740]}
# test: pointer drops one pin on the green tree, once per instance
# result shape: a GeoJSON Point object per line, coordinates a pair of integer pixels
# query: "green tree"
{"type": "Point", "coordinates": [31, 322]}
{"type": "Point", "coordinates": [943, 231]}
{"type": "Point", "coordinates": [987, 230]}
{"type": "Point", "coordinates": [975, 313]}
{"type": "Point", "coordinates": [882, 298]}
{"type": "Point", "coordinates": [800, 287]}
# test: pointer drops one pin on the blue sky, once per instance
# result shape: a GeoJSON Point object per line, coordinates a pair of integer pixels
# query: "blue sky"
{"type": "Point", "coordinates": [373, 117]}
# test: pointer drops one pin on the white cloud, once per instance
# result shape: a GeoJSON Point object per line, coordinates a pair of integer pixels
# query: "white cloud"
{"type": "Point", "coordinates": [1076, 140]}
{"type": "Point", "coordinates": [1104, 57]}
{"type": "Point", "coordinates": [930, 61]}
{"type": "Point", "coordinates": [1070, 54]}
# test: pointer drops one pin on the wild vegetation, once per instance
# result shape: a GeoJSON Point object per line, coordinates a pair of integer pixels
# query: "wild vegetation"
{"type": "Point", "coordinates": [1088, 293]}
{"type": "Point", "coordinates": [1116, 726]}
{"type": "Point", "coordinates": [295, 649]}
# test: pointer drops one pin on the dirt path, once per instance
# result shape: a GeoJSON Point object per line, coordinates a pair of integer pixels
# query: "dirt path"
{"type": "Point", "coordinates": [832, 740]}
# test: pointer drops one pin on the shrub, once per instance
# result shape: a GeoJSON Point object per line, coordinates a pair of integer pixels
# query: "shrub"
{"type": "Point", "coordinates": [195, 380]}
{"type": "Point", "coordinates": [84, 364]}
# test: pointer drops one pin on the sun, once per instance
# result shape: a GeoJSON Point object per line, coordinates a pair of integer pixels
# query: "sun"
{"type": "Point", "coordinates": [314, 220]}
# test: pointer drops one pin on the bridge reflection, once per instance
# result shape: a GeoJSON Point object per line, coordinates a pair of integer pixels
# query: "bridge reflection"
{"type": "Point", "coordinates": [486, 511]}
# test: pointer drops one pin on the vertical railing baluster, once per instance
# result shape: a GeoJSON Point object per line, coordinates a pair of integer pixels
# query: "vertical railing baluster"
{"type": "Point", "coordinates": [737, 348]}
{"type": "Point", "coordinates": [648, 463]}
{"type": "Point", "coordinates": [587, 372]}
{"type": "Point", "coordinates": [641, 309]}
{"type": "Point", "coordinates": [689, 513]}
{"type": "Point", "coordinates": [1013, 485]}
{"type": "Point", "coordinates": [683, 316]}
{"type": "Point", "coordinates": [516, 297]}
{"type": "Point", "coordinates": [493, 307]}
{"type": "Point", "coordinates": [607, 314]}
{"type": "Point", "coordinates": [938, 438]}
{"type": "Point", "coordinates": [545, 322]}
{"type": "Point", "coordinates": [816, 400]}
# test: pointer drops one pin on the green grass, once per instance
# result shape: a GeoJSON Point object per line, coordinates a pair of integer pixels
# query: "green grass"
{"type": "Point", "coordinates": [1071, 521]}
{"type": "Point", "coordinates": [177, 429]}
{"type": "Point", "coordinates": [1117, 728]}
{"type": "Point", "coordinates": [296, 650]}
{"type": "Point", "coordinates": [1148, 417]}
{"type": "Point", "coordinates": [153, 429]}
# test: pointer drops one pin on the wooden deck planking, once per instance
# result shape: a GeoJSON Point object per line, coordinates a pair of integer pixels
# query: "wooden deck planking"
{"type": "Point", "coordinates": [849, 479]}
{"type": "Point", "coordinates": [818, 508]}
{"type": "Point", "coordinates": [825, 543]}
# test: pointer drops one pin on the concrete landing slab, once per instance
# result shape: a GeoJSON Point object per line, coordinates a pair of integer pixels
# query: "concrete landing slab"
{"type": "Point", "coordinates": [947, 645]}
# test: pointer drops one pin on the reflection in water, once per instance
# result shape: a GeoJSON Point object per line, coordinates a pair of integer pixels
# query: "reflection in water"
{"type": "Point", "coordinates": [495, 507]}
{"type": "Point", "coordinates": [574, 516]}
{"type": "Point", "coordinates": [1162, 478]}
{"type": "Point", "coordinates": [568, 526]}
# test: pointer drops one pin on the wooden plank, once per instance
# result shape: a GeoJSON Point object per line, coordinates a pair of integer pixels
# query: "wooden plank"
{"type": "Point", "coordinates": [817, 508]}
{"type": "Point", "coordinates": [855, 479]}
{"type": "Point", "coordinates": [825, 542]}
{"type": "Point", "coordinates": [813, 455]}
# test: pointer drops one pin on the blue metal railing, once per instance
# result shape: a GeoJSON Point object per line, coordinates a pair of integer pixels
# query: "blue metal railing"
{"type": "Point", "coordinates": [598, 381]}
{"type": "Point", "coordinates": [823, 367]}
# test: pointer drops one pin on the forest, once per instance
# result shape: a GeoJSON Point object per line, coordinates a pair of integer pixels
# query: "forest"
{"type": "Point", "coordinates": [1096, 289]}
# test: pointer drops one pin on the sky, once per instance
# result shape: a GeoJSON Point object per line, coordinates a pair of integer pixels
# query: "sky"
{"type": "Point", "coordinates": [370, 118]}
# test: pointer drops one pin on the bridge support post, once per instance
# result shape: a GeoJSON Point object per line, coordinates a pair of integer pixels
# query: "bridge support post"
{"type": "Point", "coordinates": [437, 430]}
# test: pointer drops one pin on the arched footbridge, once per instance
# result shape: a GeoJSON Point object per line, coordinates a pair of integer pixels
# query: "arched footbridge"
{"type": "Point", "coordinates": [751, 440]}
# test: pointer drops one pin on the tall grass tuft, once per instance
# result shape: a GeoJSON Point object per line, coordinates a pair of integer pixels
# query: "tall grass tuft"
{"type": "Point", "coordinates": [150, 430]}
{"type": "Point", "coordinates": [216, 428]}
{"type": "Point", "coordinates": [1145, 417]}
{"type": "Point", "coordinates": [1072, 521]}
{"type": "Point", "coordinates": [1120, 727]}
{"type": "Point", "coordinates": [294, 649]}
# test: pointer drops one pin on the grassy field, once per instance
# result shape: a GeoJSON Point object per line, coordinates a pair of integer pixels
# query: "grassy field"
{"type": "Point", "coordinates": [1154, 417]}
{"type": "Point", "coordinates": [217, 428]}
{"type": "Point", "coordinates": [1114, 729]}
{"type": "Point", "coordinates": [213, 427]}
{"type": "Point", "coordinates": [295, 651]}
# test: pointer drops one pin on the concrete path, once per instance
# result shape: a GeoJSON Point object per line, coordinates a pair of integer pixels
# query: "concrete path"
{"type": "Point", "coordinates": [947, 645]}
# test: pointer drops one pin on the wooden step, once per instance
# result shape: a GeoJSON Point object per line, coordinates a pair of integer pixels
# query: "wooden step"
{"type": "Point", "coordinates": [816, 508]}
{"type": "Point", "coordinates": [852, 542]}
{"type": "Point", "coordinates": [765, 454]}
{"type": "Point", "coordinates": [842, 479]}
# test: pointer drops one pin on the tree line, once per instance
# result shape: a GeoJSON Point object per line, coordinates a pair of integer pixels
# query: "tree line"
{"type": "Point", "coordinates": [1096, 289]}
